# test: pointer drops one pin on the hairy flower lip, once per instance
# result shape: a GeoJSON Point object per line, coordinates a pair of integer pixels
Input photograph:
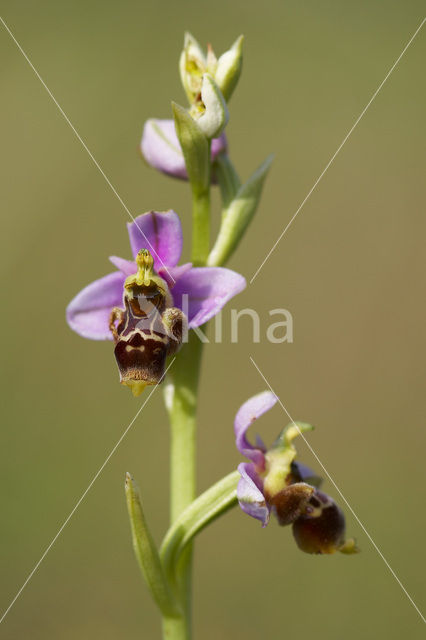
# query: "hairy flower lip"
{"type": "Point", "coordinates": [205, 289]}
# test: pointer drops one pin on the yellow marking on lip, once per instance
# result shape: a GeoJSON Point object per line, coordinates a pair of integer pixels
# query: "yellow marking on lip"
{"type": "Point", "coordinates": [129, 348]}
{"type": "Point", "coordinates": [137, 386]}
{"type": "Point", "coordinates": [151, 336]}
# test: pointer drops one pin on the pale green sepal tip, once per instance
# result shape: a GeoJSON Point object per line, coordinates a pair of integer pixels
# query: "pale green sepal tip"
{"type": "Point", "coordinates": [216, 115]}
{"type": "Point", "coordinates": [146, 552]}
{"type": "Point", "coordinates": [189, 40]}
{"type": "Point", "coordinates": [238, 215]}
{"type": "Point", "coordinates": [290, 432]}
{"type": "Point", "coordinates": [228, 69]}
{"type": "Point", "coordinates": [195, 147]}
{"type": "Point", "coordinates": [349, 547]}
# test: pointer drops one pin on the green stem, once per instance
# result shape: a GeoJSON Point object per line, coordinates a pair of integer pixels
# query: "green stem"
{"type": "Point", "coordinates": [181, 391]}
{"type": "Point", "coordinates": [201, 220]}
{"type": "Point", "coordinates": [175, 629]}
{"type": "Point", "coordinates": [181, 403]}
{"type": "Point", "coordinates": [200, 227]}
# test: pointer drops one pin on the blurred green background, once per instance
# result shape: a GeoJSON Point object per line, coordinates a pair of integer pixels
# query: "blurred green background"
{"type": "Point", "coordinates": [351, 271]}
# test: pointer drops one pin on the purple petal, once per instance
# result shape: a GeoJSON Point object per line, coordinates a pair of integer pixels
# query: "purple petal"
{"type": "Point", "coordinates": [247, 414]}
{"type": "Point", "coordinates": [172, 274]}
{"type": "Point", "coordinates": [88, 313]}
{"type": "Point", "coordinates": [128, 267]}
{"type": "Point", "coordinates": [161, 149]}
{"type": "Point", "coordinates": [249, 494]}
{"type": "Point", "coordinates": [160, 233]}
{"type": "Point", "coordinates": [203, 291]}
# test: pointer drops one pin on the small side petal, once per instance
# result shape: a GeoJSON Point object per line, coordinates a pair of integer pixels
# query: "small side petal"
{"type": "Point", "coordinates": [128, 267]}
{"type": "Point", "coordinates": [88, 313]}
{"type": "Point", "coordinates": [203, 291]}
{"type": "Point", "coordinates": [304, 473]}
{"type": "Point", "coordinates": [160, 233]}
{"type": "Point", "coordinates": [169, 274]}
{"type": "Point", "coordinates": [246, 415]}
{"type": "Point", "coordinates": [249, 494]}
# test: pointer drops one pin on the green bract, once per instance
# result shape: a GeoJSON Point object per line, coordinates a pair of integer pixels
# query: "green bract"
{"type": "Point", "coordinates": [241, 206]}
{"type": "Point", "coordinates": [195, 148]}
{"type": "Point", "coordinates": [146, 551]}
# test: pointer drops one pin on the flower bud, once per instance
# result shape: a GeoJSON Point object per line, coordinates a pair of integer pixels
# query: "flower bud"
{"type": "Point", "coordinates": [228, 68]}
{"type": "Point", "coordinates": [214, 112]}
{"type": "Point", "coordinates": [192, 65]}
{"type": "Point", "coordinates": [321, 528]}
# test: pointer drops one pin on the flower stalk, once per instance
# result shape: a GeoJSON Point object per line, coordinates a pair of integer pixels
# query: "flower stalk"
{"type": "Point", "coordinates": [200, 226]}
{"type": "Point", "coordinates": [181, 404]}
{"type": "Point", "coordinates": [146, 307]}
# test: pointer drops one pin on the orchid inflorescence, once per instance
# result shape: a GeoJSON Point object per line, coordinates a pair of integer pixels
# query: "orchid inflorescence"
{"type": "Point", "coordinates": [149, 305]}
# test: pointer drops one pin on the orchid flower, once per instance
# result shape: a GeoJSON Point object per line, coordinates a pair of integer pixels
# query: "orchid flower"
{"type": "Point", "coordinates": [161, 148]}
{"type": "Point", "coordinates": [200, 292]}
{"type": "Point", "coordinates": [274, 482]}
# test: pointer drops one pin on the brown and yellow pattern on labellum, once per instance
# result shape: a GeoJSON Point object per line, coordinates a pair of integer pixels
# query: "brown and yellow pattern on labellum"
{"type": "Point", "coordinates": [148, 329]}
{"type": "Point", "coordinates": [321, 527]}
{"type": "Point", "coordinates": [318, 522]}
